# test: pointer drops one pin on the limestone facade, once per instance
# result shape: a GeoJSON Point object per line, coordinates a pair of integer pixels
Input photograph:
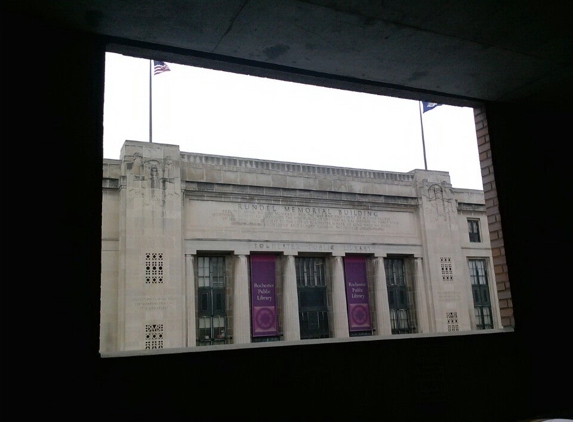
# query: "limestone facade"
{"type": "Point", "coordinates": [173, 221]}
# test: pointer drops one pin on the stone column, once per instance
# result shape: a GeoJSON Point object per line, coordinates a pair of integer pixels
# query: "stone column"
{"type": "Point", "coordinates": [339, 310]}
{"type": "Point", "coordinates": [421, 297]}
{"type": "Point", "coordinates": [241, 312]}
{"type": "Point", "coordinates": [191, 339]}
{"type": "Point", "coordinates": [383, 324]}
{"type": "Point", "coordinates": [291, 323]}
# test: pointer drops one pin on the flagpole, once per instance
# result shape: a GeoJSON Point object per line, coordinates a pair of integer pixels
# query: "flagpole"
{"type": "Point", "coordinates": [150, 106]}
{"type": "Point", "coordinates": [423, 141]}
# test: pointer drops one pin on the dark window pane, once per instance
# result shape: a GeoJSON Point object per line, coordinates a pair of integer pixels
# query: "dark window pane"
{"type": "Point", "coordinates": [204, 302]}
{"type": "Point", "coordinates": [401, 318]}
{"type": "Point", "coordinates": [219, 305]}
{"type": "Point", "coordinates": [311, 282]}
{"type": "Point", "coordinates": [473, 228]}
{"type": "Point", "coordinates": [480, 293]}
{"type": "Point", "coordinates": [403, 301]}
{"type": "Point", "coordinates": [312, 298]}
{"type": "Point", "coordinates": [211, 282]}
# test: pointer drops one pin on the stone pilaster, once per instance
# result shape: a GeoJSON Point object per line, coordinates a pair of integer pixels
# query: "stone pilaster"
{"type": "Point", "coordinates": [421, 297]}
{"type": "Point", "coordinates": [241, 312]}
{"type": "Point", "coordinates": [190, 300]}
{"type": "Point", "coordinates": [339, 309]}
{"type": "Point", "coordinates": [291, 325]}
{"type": "Point", "coordinates": [383, 325]}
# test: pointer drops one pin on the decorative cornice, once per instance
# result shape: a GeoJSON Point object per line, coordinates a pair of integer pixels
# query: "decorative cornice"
{"type": "Point", "coordinates": [242, 192]}
{"type": "Point", "coordinates": [286, 167]}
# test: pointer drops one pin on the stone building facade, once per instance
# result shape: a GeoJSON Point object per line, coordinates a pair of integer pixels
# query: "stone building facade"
{"type": "Point", "coordinates": [201, 250]}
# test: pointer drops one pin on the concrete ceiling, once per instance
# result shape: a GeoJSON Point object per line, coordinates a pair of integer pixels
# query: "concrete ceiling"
{"type": "Point", "coordinates": [483, 50]}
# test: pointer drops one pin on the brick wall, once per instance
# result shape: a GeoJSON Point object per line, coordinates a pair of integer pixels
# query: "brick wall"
{"type": "Point", "coordinates": [494, 219]}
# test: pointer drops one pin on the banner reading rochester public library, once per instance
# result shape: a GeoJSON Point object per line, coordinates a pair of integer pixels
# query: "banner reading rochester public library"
{"type": "Point", "coordinates": [263, 296]}
{"type": "Point", "coordinates": [357, 298]}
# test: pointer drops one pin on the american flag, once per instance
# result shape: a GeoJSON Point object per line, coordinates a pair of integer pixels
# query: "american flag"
{"type": "Point", "coordinates": [159, 67]}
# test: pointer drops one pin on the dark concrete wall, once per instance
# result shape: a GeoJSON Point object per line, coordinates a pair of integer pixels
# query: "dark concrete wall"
{"type": "Point", "coordinates": [53, 107]}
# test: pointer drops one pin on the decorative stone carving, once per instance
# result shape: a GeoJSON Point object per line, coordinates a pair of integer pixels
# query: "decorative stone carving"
{"type": "Point", "coordinates": [168, 173]}
{"type": "Point", "coordinates": [440, 198]}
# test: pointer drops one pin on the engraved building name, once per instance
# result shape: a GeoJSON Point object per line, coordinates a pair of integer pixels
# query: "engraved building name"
{"type": "Point", "coordinates": [293, 217]}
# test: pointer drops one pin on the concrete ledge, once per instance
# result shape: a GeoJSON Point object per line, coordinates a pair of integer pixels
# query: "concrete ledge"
{"type": "Point", "coordinates": [203, 349]}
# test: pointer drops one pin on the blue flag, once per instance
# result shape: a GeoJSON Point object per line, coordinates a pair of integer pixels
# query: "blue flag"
{"type": "Point", "coordinates": [426, 106]}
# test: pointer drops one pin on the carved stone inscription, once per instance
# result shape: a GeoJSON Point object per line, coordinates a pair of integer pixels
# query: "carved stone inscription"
{"type": "Point", "coordinates": [153, 303]}
{"type": "Point", "coordinates": [298, 218]}
{"type": "Point", "coordinates": [449, 296]}
{"type": "Point", "coordinates": [313, 247]}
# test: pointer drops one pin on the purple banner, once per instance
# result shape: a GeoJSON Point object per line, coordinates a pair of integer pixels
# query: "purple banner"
{"type": "Point", "coordinates": [357, 293]}
{"type": "Point", "coordinates": [263, 302]}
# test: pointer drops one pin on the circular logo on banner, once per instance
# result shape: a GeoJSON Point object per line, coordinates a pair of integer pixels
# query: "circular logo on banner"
{"type": "Point", "coordinates": [359, 314]}
{"type": "Point", "coordinates": [265, 318]}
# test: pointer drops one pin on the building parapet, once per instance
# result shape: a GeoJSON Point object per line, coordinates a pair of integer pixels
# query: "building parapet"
{"type": "Point", "coordinates": [202, 172]}
{"type": "Point", "coordinates": [287, 167]}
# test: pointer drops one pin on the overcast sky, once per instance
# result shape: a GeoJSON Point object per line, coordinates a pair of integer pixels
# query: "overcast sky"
{"type": "Point", "coordinates": [214, 112]}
